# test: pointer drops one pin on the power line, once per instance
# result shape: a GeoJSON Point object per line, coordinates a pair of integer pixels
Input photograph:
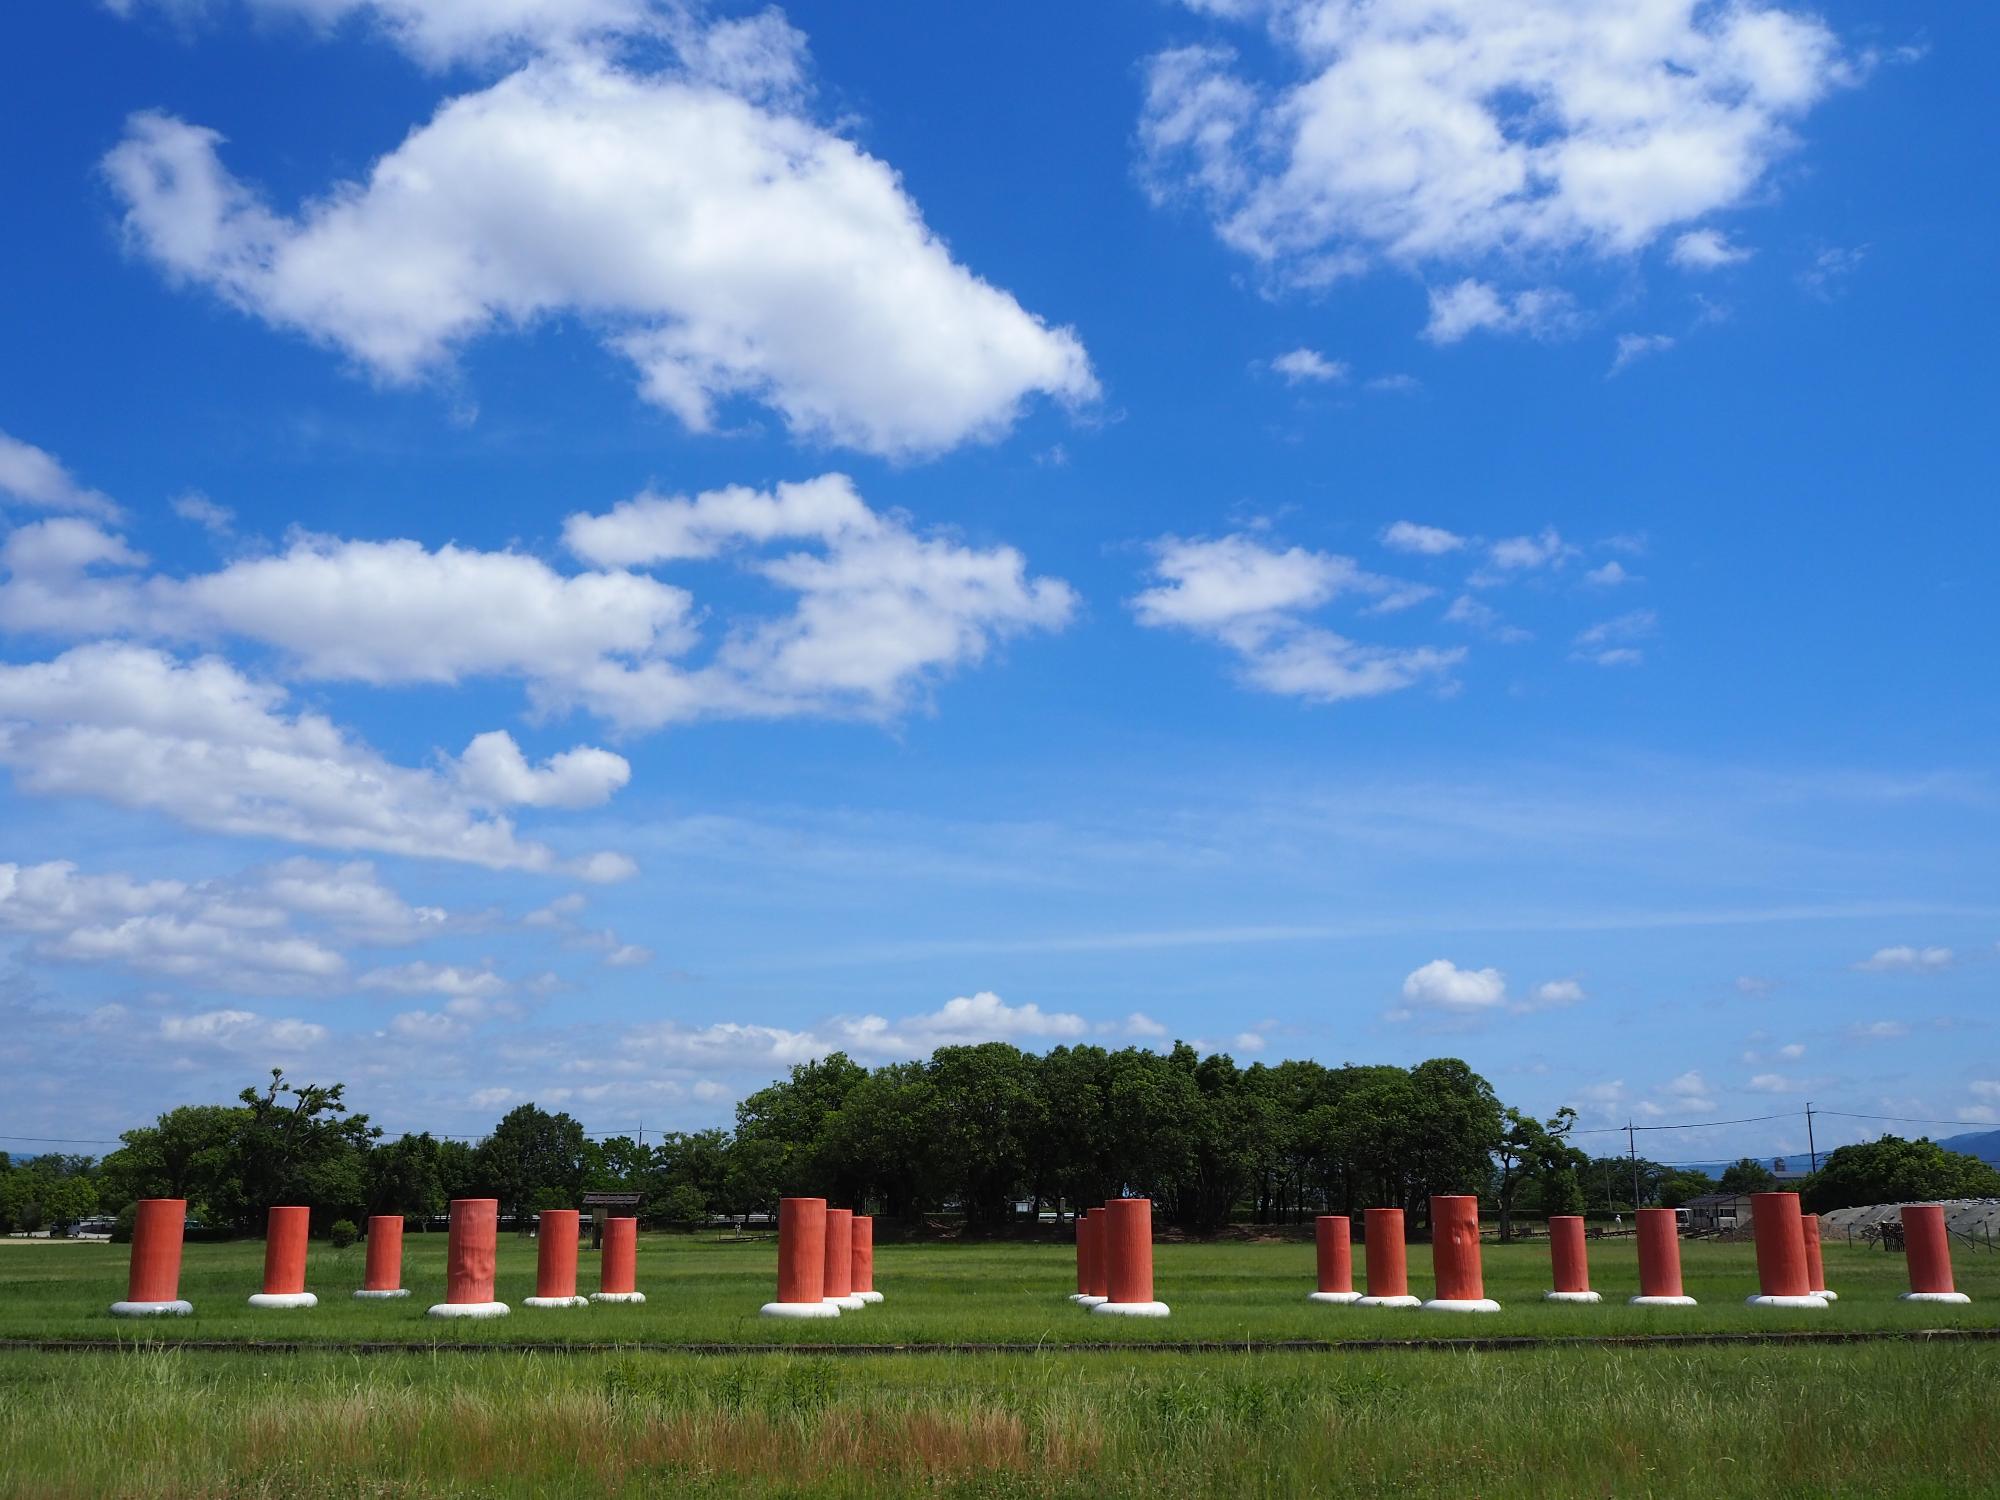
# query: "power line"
{"type": "Point", "coordinates": [1891, 1119]}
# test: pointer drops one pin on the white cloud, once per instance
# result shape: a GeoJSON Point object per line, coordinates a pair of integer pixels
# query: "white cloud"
{"type": "Point", "coordinates": [1755, 987]}
{"type": "Point", "coordinates": [1443, 985]}
{"type": "Point", "coordinates": [1877, 1031]}
{"type": "Point", "coordinates": [1612, 643]}
{"type": "Point", "coordinates": [1706, 250]}
{"type": "Point", "coordinates": [29, 476]}
{"type": "Point", "coordinates": [1426, 541]}
{"type": "Point", "coordinates": [1141, 1024]}
{"type": "Point", "coordinates": [628, 956]}
{"type": "Point", "coordinates": [1771, 1083]}
{"type": "Point", "coordinates": [1457, 131]}
{"type": "Point", "coordinates": [1249, 596]}
{"type": "Point", "coordinates": [881, 611]}
{"type": "Point", "coordinates": [1904, 959]}
{"type": "Point", "coordinates": [1792, 1051]}
{"type": "Point", "coordinates": [1610, 575]}
{"type": "Point", "coordinates": [728, 248]}
{"type": "Point", "coordinates": [1478, 615]}
{"type": "Point", "coordinates": [1556, 993]}
{"type": "Point", "coordinates": [449, 980]}
{"type": "Point", "coordinates": [216, 520]}
{"type": "Point", "coordinates": [1635, 346]}
{"type": "Point", "coordinates": [983, 1017]}
{"type": "Point", "coordinates": [1525, 554]}
{"type": "Point", "coordinates": [276, 1042]}
{"type": "Point", "coordinates": [1689, 1085]}
{"type": "Point", "coordinates": [1825, 277]}
{"type": "Point", "coordinates": [203, 744]}
{"type": "Point", "coordinates": [1301, 365]}
{"type": "Point", "coordinates": [1472, 306]}
{"type": "Point", "coordinates": [350, 900]}
{"type": "Point", "coordinates": [493, 770]}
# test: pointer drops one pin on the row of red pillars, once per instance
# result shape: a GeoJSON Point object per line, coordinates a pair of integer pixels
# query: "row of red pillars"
{"type": "Point", "coordinates": [471, 1260]}
{"type": "Point", "coordinates": [826, 1260]}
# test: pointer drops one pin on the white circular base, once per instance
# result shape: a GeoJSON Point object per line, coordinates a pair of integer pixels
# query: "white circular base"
{"type": "Point", "coordinates": [1571, 1297]}
{"type": "Point", "coordinates": [1079, 1297]}
{"type": "Point", "coordinates": [634, 1298]}
{"type": "Point", "coordinates": [284, 1299]}
{"type": "Point", "coordinates": [1336, 1299]}
{"type": "Point", "coordinates": [1660, 1302]}
{"type": "Point", "coordinates": [1956, 1298]}
{"type": "Point", "coordinates": [1462, 1305]}
{"type": "Point", "coordinates": [1807, 1301]}
{"type": "Point", "coordinates": [798, 1310]}
{"type": "Point", "coordinates": [1824, 1295]}
{"type": "Point", "coordinates": [849, 1303]}
{"type": "Point", "coordinates": [469, 1310]}
{"type": "Point", "coordinates": [1131, 1309]}
{"type": "Point", "coordinates": [174, 1309]}
{"type": "Point", "coordinates": [1389, 1302]}
{"type": "Point", "coordinates": [373, 1294]}
{"type": "Point", "coordinates": [555, 1302]}
{"type": "Point", "coordinates": [1087, 1302]}
{"type": "Point", "coordinates": [869, 1297]}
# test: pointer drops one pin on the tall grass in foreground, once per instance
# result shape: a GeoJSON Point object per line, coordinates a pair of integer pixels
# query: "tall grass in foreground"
{"type": "Point", "coordinates": [1874, 1420]}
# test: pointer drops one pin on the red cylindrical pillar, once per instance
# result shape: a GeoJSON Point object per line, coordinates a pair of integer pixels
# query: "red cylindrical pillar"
{"type": "Point", "coordinates": [1082, 1256]}
{"type": "Point", "coordinates": [556, 1235]}
{"type": "Point", "coordinates": [153, 1284]}
{"type": "Point", "coordinates": [1569, 1260]}
{"type": "Point", "coordinates": [382, 1277]}
{"type": "Point", "coordinates": [1782, 1275]}
{"type": "Point", "coordinates": [618, 1264]}
{"type": "Point", "coordinates": [838, 1278]}
{"type": "Point", "coordinates": [1927, 1247]}
{"type": "Point", "coordinates": [286, 1230]}
{"type": "Point", "coordinates": [470, 1259]}
{"type": "Point", "coordinates": [1660, 1260]}
{"type": "Point", "coordinates": [861, 1277]}
{"type": "Point", "coordinates": [1815, 1266]}
{"type": "Point", "coordinates": [1388, 1259]}
{"type": "Point", "coordinates": [1099, 1261]}
{"type": "Point", "coordinates": [801, 1261]}
{"type": "Point", "coordinates": [1334, 1253]}
{"type": "Point", "coordinates": [1128, 1251]}
{"type": "Point", "coordinates": [1461, 1287]}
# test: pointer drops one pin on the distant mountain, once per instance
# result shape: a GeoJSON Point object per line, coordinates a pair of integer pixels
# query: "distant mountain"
{"type": "Point", "coordinates": [1984, 1144]}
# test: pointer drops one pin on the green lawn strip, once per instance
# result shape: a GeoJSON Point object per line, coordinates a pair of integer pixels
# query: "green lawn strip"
{"type": "Point", "coordinates": [707, 1291]}
{"type": "Point", "coordinates": [1893, 1419]}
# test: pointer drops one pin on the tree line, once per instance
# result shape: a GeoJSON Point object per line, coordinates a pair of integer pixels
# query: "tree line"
{"type": "Point", "coordinates": [988, 1134]}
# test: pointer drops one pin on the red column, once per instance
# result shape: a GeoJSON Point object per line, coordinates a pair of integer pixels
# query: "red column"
{"type": "Point", "coordinates": [861, 1263]}
{"type": "Point", "coordinates": [618, 1266]}
{"type": "Point", "coordinates": [1815, 1267]}
{"type": "Point", "coordinates": [838, 1278]}
{"type": "Point", "coordinates": [383, 1275]}
{"type": "Point", "coordinates": [1927, 1247]}
{"type": "Point", "coordinates": [1082, 1256]}
{"type": "Point", "coordinates": [1388, 1259]}
{"type": "Point", "coordinates": [556, 1235]}
{"type": "Point", "coordinates": [1783, 1278]}
{"type": "Point", "coordinates": [1334, 1251]}
{"type": "Point", "coordinates": [1660, 1260]}
{"type": "Point", "coordinates": [1569, 1260]}
{"type": "Point", "coordinates": [1455, 1256]}
{"type": "Point", "coordinates": [1128, 1251]}
{"type": "Point", "coordinates": [801, 1261]}
{"type": "Point", "coordinates": [153, 1285]}
{"type": "Point", "coordinates": [286, 1230]}
{"type": "Point", "coordinates": [470, 1260]}
{"type": "Point", "coordinates": [1099, 1260]}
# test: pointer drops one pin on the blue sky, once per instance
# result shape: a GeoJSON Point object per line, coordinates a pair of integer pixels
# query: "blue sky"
{"type": "Point", "coordinates": [595, 555]}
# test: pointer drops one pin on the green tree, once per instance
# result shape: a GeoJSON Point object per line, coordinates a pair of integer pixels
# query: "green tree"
{"type": "Point", "coordinates": [1894, 1170]}
{"type": "Point", "coordinates": [982, 1140]}
{"type": "Point", "coordinates": [185, 1153]}
{"type": "Point", "coordinates": [1747, 1175]}
{"type": "Point", "coordinates": [404, 1177]}
{"type": "Point", "coordinates": [1536, 1152]}
{"type": "Point", "coordinates": [1683, 1184]}
{"type": "Point", "coordinates": [533, 1160]}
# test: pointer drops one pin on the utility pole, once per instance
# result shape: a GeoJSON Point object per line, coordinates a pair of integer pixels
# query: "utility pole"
{"type": "Point", "coordinates": [1811, 1148]}
{"type": "Point", "coordinates": [1632, 1149]}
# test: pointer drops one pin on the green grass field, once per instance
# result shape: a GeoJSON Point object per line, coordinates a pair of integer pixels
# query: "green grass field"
{"type": "Point", "coordinates": [703, 1290]}
{"type": "Point", "coordinates": [1898, 1418]}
